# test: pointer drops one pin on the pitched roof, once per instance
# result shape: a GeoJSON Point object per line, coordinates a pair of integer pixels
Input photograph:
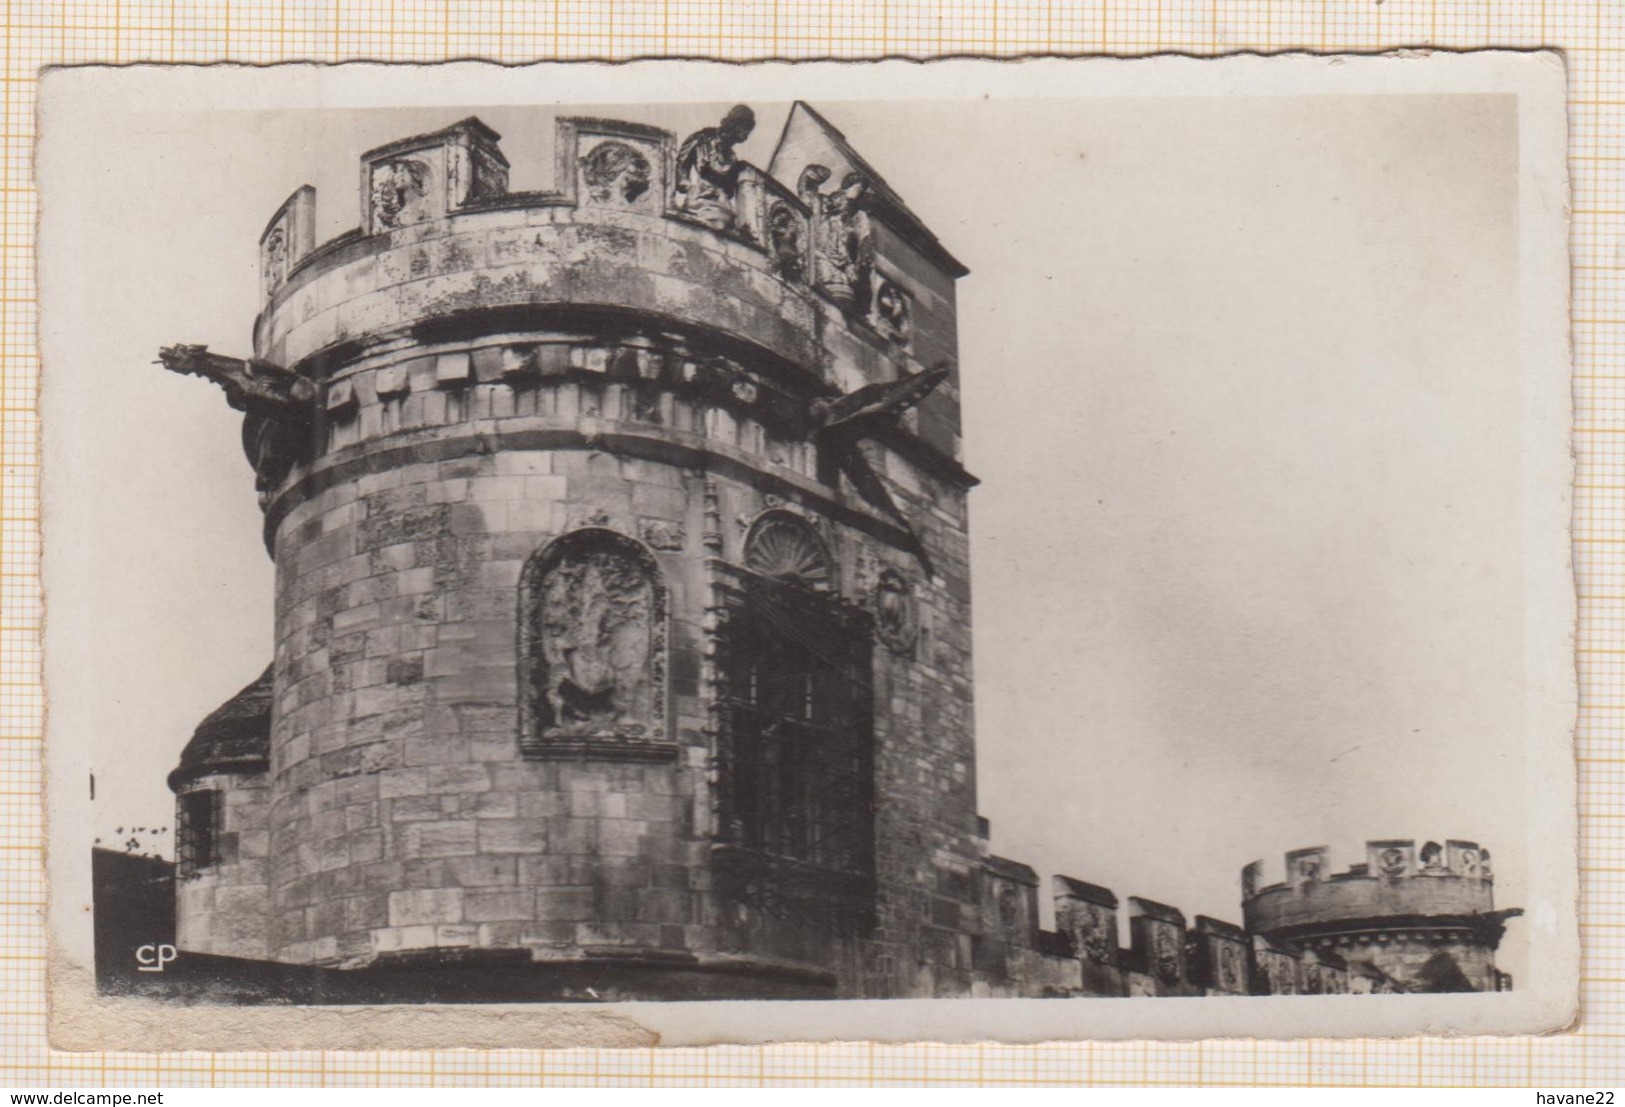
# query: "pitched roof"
{"type": "Point", "coordinates": [889, 204]}
{"type": "Point", "coordinates": [234, 737]}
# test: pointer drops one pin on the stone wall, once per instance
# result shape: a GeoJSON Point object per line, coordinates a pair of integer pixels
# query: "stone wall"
{"type": "Point", "coordinates": [222, 906]}
{"type": "Point", "coordinates": [1392, 883]}
{"type": "Point", "coordinates": [414, 821]}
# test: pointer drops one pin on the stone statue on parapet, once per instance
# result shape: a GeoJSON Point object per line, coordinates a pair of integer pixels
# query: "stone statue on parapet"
{"type": "Point", "coordinates": [254, 387]}
{"type": "Point", "coordinates": [708, 172]}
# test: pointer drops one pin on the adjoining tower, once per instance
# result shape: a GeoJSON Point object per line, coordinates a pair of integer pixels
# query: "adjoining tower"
{"type": "Point", "coordinates": [623, 609]}
{"type": "Point", "coordinates": [1424, 920]}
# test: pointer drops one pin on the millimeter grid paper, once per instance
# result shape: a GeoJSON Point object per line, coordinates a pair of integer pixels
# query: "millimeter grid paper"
{"type": "Point", "coordinates": [38, 34]}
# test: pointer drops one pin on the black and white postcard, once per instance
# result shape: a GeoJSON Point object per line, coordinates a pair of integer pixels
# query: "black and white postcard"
{"type": "Point", "coordinates": [685, 553]}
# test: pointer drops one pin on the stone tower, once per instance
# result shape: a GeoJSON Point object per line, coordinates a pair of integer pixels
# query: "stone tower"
{"type": "Point", "coordinates": [623, 615]}
{"type": "Point", "coordinates": [1423, 919]}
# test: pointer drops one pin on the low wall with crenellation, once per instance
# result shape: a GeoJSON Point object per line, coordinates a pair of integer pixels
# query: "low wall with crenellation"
{"type": "Point", "coordinates": [1394, 924]}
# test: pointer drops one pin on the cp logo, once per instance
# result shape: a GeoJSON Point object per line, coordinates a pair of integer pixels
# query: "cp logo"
{"type": "Point", "coordinates": [153, 958]}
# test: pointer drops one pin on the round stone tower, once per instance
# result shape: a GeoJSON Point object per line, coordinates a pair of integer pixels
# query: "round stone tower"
{"type": "Point", "coordinates": [1424, 919]}
{"type": "Point", "coordinates": [623, 627]}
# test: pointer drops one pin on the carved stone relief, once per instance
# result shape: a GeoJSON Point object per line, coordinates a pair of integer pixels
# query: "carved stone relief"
{"type": "Point", "coordinates": [615, 173]}
{"type": "Point", "coordinates": [490, 177]}
{"type": "Point", "coordinates": [1306, 866]}
{"type": "Point", "coordinates": [843, 239]}
{"type": "Point", "coordinates": [783, 547]}
{"type": "Point", "coordinates": [893, 317]}
{"type": "Point", "coordinates": [1165, 953]}
{"type": "Point", "coordinates": [400, 192]}
{"type": "Point", "coordinates": [784, 241]}
{"type": "Point", "coordinates": [1465, 859]}
{"type": "Point", "coordinates": [1232, 966]}
{"type": "Point", "coordinates": [1282, 973]}
{"type": "Point", "coordinates": [596, 640]}
{"type": "Point", "coordinates": [663, 535]}
{"type": "Point", "coordinates": [1393, 862]}
{"type": "Point", "coordinates": [897, 614]}
{"type": "Point", "coordinates": [274, 260]}
{"type": "Point", "coordinates": [1094, 932]}
{"type": "Point", "coordinates": [1009, 909]}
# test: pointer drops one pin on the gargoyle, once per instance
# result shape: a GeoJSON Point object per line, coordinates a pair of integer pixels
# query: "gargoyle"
{"type": "Point", "coordinates": [840, 424]}
{"type": "Point", "coordinates": [255, 387]}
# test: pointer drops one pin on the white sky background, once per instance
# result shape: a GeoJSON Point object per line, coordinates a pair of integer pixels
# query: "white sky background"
{"type": "Point", "coordinates": [1246, 579]}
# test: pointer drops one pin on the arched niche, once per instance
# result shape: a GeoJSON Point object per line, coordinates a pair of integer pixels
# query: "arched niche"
{"type": "Point", "coordinates": [593, 611]}
{"type": "Point", "coordinates": [784, 547]}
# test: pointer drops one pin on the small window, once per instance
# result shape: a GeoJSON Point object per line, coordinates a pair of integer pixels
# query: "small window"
{"type": "Point", "coordinates": [198, 844]}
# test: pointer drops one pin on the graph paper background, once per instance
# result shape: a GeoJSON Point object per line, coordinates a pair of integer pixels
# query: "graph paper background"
{"type": "Point", "coordinates": [1592, 32]}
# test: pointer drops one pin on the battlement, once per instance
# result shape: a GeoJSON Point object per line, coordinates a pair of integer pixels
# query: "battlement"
{"type": "Point", "coordinates": [1388, 859]}
{"type": "Point", "coordinates": [436, 205]}
{"type": "Point", "coordinates": [665, 296]}
{"type": "Point", "coordinates": [1396, 906]}
{"type": "Point", "coordinates": [1405, 920]}
{"type": "Point", "coordinates": [1165, 955]}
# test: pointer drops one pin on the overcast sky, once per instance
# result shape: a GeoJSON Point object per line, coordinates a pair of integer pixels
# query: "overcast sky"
{"type": "Point", "coordinates": [1245, 578]}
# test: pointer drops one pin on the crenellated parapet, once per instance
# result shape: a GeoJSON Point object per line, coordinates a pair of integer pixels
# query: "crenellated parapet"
{"type": "Point", "coordinates": [1165, 956]}
{"type": "Point", "coordinates": [1397, 880]}
{"type": "Point", "coordinates": [661, 295]}
{"type": "Point", "coordinates": [1410, 919]}
{"type": "Point", "coordinates": [820, 236]}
